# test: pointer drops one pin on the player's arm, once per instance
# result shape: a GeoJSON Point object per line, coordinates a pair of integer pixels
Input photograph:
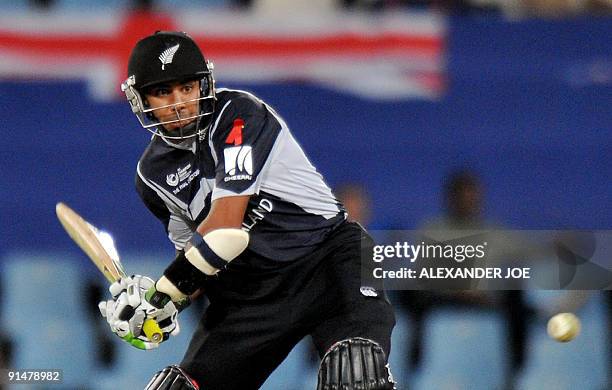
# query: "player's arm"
{"type": "Point", "coordinates": [217, 241]}
{"type": "Point", "coordinates": [227, 212]}
{"type": "Point", "coordinates": [246, 130]}
{"type": "Point", "coordinates": [179, 231]}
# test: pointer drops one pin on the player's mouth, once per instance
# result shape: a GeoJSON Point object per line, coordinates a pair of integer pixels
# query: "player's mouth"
{"type": "Point", "coordinates": [178, 123]}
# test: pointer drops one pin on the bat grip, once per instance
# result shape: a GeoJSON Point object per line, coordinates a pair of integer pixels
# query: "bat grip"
{"type": "Point", "coordinates": [152, 330]}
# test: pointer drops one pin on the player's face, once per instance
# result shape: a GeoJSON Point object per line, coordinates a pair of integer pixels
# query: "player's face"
{"type": "Point", "coordinates": [174, 104]}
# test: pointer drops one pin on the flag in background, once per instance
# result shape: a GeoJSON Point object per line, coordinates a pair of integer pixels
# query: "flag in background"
{"type": "Point", "coordinates": [386, 56]}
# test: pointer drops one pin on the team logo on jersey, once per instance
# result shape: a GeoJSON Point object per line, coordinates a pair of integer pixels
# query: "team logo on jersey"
{"type": "Point", "coordinates": [172, 179]}
{"type": "Point", "coordinates": [235, 136]}
{"type": "Point", "coordinates": [167, 55]}
{"type": "Point", "coordinates": [238, 163]}
{"type": "Point", "coordinates": [184, 176]}
{"type": "Point", "coordinates": [368, 291]}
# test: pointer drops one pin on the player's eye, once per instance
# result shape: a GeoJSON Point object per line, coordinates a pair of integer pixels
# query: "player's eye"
{"type": "Point", "coordinates": [160, 92]}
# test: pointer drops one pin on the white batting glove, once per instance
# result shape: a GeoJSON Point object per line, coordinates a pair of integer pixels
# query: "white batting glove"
{"type": "Point", "coordinates": [124, 313]}
{"type": "Point", "coordinates": [164, 311]}
{"type": "Point", "coordinates": [128, 310]}
{"type": "Point", "coordinates": [122, 328]}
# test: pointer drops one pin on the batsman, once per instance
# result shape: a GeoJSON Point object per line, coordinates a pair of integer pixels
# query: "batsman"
{"type": "Point", "coordinates": [256, 229]}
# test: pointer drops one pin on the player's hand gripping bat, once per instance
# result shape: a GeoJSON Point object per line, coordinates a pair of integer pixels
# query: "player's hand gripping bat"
{"type": "Point", "coordinates": [100, 248]}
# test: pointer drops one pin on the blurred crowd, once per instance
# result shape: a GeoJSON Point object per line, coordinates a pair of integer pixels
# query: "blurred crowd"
{"type": "Point", "coordinates": [511, 8]}
{"type": "Point", "coordinates": [463, 193]}
{"type": "Point", "coordinates": [507, 8]}
{"type": "Point", "coordinates": [464, 207]}
{"type": "Point", "coordinates": [464, 198]}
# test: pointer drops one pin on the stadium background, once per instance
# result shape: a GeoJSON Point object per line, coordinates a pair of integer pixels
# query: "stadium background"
{"type": "Point", "coordinates": [523, 102]}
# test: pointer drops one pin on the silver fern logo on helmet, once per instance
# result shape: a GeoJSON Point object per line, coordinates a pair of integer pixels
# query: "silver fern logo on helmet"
{"type": "Point", "coordinates": [167, 55]}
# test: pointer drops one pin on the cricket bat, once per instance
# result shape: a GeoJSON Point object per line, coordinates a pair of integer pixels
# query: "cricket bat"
{"type": "Point", "coordinates": [100, 248]}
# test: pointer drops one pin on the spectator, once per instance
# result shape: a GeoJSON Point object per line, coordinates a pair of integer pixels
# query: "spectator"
{"type": "Point", "coordinates": [464, 196]}
{"type": "Point", "coordinates": [356, 201]}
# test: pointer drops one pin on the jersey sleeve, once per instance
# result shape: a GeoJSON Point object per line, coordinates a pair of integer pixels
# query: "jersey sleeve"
{"type": "Point", "coordinates": [242, 141]}
{"type": "Point", "coordinates": [178, 231]}
{"type": "Point", "coordinates": [152, 202]}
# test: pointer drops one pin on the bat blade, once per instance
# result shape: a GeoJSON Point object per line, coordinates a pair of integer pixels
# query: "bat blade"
{"type": "Point", "coordinates": [100, 249]}
{"type": "Point", "coordinates": [97, 245]}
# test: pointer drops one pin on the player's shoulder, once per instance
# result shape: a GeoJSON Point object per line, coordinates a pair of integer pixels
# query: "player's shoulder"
{"type": "Point", "coordinates": [237, 100]}
{"type": "Point", "coordinates": [154, 157]}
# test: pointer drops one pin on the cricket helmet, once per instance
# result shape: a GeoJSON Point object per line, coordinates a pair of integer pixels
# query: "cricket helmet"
{"type": "Point", "coordinates": [168, 56]}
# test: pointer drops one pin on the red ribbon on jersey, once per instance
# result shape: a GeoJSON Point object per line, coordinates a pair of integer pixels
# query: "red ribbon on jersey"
{"type": "Point", "coordinates": [235, 136]}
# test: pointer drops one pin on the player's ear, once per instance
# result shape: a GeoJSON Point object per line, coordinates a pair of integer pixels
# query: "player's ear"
{"type": "Point", "coordinates": [143, 94]}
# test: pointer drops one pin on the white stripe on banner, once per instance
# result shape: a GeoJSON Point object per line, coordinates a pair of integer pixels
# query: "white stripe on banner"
{"type": "Point", "coordinates": [386, 56]}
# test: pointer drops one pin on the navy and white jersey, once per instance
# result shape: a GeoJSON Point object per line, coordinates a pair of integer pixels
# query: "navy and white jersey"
{"type": "Point", "coordinates": [248, 150]}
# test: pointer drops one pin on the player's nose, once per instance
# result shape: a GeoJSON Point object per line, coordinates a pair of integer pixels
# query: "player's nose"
{"type": "Point", "coordinates": [179, 104]}
{"type": "Point", "coordinates": [178, 98]}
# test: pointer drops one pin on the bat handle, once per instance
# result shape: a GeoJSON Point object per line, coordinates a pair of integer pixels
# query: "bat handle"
{"type": "Point", "coordinates": [152, 330]}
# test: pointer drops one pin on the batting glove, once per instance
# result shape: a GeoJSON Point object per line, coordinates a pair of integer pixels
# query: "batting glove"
{"type": "Point", "coordinates": [128, 310]}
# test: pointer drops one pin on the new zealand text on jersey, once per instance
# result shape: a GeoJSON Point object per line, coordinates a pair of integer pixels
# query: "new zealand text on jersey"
{"type": "Point", "coordinates": [257, 214]}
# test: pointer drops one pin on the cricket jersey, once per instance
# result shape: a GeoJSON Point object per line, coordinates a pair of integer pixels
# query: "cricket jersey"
{"type": "Point", "coordinates": [247, 150]}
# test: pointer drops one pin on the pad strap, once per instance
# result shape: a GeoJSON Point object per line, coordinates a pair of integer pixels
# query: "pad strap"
{"type": "Point", "coordinates": [204, 256]}
{"type": "Point", "coordinates": [207, 256]}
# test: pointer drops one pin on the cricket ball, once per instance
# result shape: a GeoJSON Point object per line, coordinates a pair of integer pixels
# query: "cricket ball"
{"type": "Point", "coordinates": [563, 327]}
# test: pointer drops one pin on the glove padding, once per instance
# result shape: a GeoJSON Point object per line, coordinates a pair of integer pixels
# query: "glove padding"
{"type": "Point", "coordinates": [128, 310]}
